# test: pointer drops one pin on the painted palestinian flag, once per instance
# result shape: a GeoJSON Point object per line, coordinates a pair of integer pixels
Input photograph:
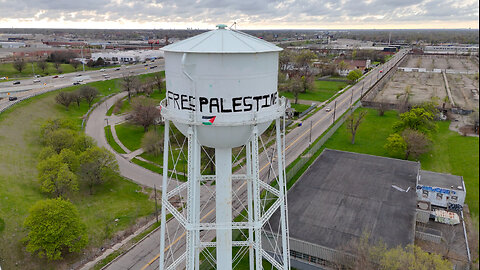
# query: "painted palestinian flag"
{"type": "Point", "coordinates": [208, 120]}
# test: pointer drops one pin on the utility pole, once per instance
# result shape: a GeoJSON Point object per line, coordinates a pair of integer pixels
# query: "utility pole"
{"type": "Point", "coordinates": [83, 61]}
{"type": "Point", "coordinates": [351, 97]}
{"type": "Point", "coordinates": [33, 69]}
{"type": "Point", "coordinates": [334, 110]}
{"type": "Point", "coordinates": [156, 206]}
{"type": "Point", "coordinates": [311, 125]}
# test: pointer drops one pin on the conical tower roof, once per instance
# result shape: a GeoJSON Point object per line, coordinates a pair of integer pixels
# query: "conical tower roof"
{"type": "Point", "coordinates": [222, 40]}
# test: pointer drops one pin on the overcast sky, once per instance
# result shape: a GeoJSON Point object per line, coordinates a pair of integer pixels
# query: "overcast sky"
{"type": "Point", "coordinates": [249, 14]}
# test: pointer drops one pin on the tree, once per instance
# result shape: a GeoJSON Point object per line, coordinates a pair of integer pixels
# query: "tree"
{"type": "Point", "coordinates": [60, 139]}
{"type": "Point", "coordinates": [130, 84]}
{"type": "Point", "coordinates": [54, 226]}
{"type": "Point", "coordinates": [412, 257]}
{"type": "Point", "coordinates": [56, 177]}
{"type": "Point", "coordinates": [147, 87]}
{"type": "Point", "coordinates": [100, 62]}
{"type": "Point", "coordinates": [417, 143]}
{"type": "Point", "coordinates": [76, 97]}
{"type": "Point", "coordinates": [354, 75]}
{"type": "Point", "coordinates": [284, 59]}
{"type": "Point", "coordinates": [89, 93]}
{"type": "Point", "coordinates": [395, 145]}
{"type": "Point", "coordinates": [353, 122]}
{"type": "Point", "coordinates": [19, 65]}
{"type": "Point", "coordinates": [43, 65]}
{"type": "Point", "coordinates": [144, 112]}
{"type": "Point", "coordinates": [64, 99]}
{"type": "Point", "coordinates": [97, 165]}
{"type": "Point", "coordinates": [342, 66]}
{"type": "Point", "coordinates": [302, 61]}
{"type": "Point", "coordinates": [57, 66]}
{"type": "Point", "coordinates": [152, 143]}
{"type": "Point", "coordinates": [75, 64]}
{"type": "Point", "coordinates": [307, 83]}
{"type": "Point", "coordinates": [417, 119]}
{"type": "Point", "coordinates": [159, 82]}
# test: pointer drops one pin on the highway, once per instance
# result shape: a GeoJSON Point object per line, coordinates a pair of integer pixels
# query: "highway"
{"type": "Point", "coordinates": [146, 253]}
{"type": "Point", "coordinates": [28, 87]}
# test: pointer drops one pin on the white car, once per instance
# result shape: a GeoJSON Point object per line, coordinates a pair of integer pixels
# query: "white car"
{"type": "Point", "coordinates": [327, 109]}
{"type": "Point", "coordinates": [102, 70]}
{"type": "Point", "coordinates": [36, 80]}
{"type": "Point", "coordinates": [61, 76]}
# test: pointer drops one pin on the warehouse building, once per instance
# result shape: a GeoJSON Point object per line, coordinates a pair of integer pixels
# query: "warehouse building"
{"type": "Point", "coordinates": [344, 195]}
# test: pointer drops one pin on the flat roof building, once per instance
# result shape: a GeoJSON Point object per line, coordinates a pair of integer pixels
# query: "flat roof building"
{"type": "Point", "coordinates": [344, 195]}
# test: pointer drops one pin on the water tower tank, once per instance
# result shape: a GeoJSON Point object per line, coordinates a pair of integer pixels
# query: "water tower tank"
{"type": "Point", "coordinates": [225, 80]}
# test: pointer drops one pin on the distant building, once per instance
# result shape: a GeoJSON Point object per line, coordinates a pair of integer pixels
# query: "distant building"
{"type": "Point", "coordinates": [352, 65]}
{"type": "Point", "coordinates": [451, 49]}
{"type": "Point", "coordinates": [116, 57]}
{"type": "Point", "coordinates": [343, 195]}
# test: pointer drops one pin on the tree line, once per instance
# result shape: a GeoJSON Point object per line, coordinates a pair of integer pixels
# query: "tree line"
{"type": "Point", "coordinates": [68, 160]}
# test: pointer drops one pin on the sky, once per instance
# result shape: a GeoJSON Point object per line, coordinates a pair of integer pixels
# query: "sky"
{"type": "Point", "coordinates": [248, 14]}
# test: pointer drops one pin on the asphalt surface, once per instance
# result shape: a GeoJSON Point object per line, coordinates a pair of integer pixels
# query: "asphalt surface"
{"type": "Point", "coordinates": [145, 254]}
{"type": "Point", "coordinates": [28, 87]}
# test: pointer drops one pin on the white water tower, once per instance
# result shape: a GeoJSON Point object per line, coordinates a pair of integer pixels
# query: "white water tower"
{"type": "Point", "coordinates": [222, 93]}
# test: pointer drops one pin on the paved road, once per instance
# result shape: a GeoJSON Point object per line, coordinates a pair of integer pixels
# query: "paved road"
{"type": "Point", "coordinates": [95, 128]}
{"type": "Point", "coordinates": [28, 88]}
{"type": "Point", "coordinates": [145, 254]}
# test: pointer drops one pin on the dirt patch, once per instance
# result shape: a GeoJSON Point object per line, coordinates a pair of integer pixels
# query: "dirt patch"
{"type": "Point", "coordinates": [464, 90]}
{"type": "Point", "coordinates": [431, 62]}
{"type": "Point", "coordinates": [421, 87]}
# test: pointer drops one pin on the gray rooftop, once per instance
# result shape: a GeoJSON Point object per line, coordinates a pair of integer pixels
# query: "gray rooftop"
{"type": "Point", "coordinates": [441, 180]}
{"type": "Point", "coordinates": [344, 194]}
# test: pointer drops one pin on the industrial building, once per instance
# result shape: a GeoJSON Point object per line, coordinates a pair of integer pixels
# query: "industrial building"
{"type": "Point", "coordinates": [116, 57]}
{"type": "Point", "coordinates": [344, 195]}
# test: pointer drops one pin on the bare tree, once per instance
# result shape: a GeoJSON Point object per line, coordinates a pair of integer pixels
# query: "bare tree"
{"type": "Point", "coordinates": [159, 82]}
{"type": "Point", "coordinates": [76, 97]}
{"type": "Point", "coordinates": [43, 65]}
{"type": "Point", "coordinates": [64, 99]}
{"type": "Point", "coordinates": [130, 84]}
{"type": "Point", "coordinates": [353, 122]}
{"type": "Point", "coordinates": [89, 93]}
{"type": "Point", "coordinates": [57, 66]}
{"type": "Point", "coordinates": [449, 233]}
{"type": "Point", "coordinates": [144, 112]}
{"type": "Point", "coordinates": [417, 143]}
{"type": "Point", "coordinates": [19, 65]}
{"type": "Point", "coordinates": [294, 85]}
{"type": "Point", "coordinates": [75, 64]}
{"type": "Point", "coordinates": [147, 87]}
{"type": "Point", "coordinates": [382, 107]}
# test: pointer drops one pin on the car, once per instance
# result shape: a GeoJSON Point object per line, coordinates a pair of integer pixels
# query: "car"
{"type": "Point", "coordinates": [117, 69]}
{"type": "Point", "coordinates": [146, 64]}
{"type": "Point", "coordinates": [152, 60]}
{"type": "Point", "coordinates": [61, 76]}
{"type": "Point", "coordinates": [37, 76]}
{"type": "Point", "coordinates": [17, 82]}
{"type": "Point", "coordinates": [106, 76]}
{"type": "Point", "coordinates": [36, 80]}
{"type": "Point", "coordinates": [12, 98]}
{"type": "Point", "coordinates": [3, 78]}
{"type": "Point", "coordinates": [327, 109]}
{"type": "Point", "coordinates": [127, 67]}
{"type": "Point", "coordinates": [76, 83]}
{"type": "Point", "coordinates": [102, 69]}
{"type": "Point", "coordinates": [381, 71]}
{"type": "Point", "coordinates": [54, 77]}
{"type": "Point", "coordinates": [79, 75]}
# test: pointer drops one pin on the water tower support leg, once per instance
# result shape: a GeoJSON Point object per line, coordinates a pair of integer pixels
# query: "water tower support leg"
{"type": "Point", "coordinates": [164, 195]}
{"type": "Point", "coordinates": [193, 200]}
{"type": "Point", "coordinates": [256, 199]}
{"type": "Point", "coordinates": [223, 168]}
{"type": "Point", "coordinates": [251, 255]}
{"type": "Point", "coordinates": [281, 187]}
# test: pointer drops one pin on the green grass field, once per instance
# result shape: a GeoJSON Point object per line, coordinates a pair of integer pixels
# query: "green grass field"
{"type": "Point", "coordinates": [130, 135]}
{"type": "Point", "coordinates": [323, 90]}
{"type": "Point", "coordinates": [111, 141]}
{"type": "Point", "coordinates": [451, 152]}
{"type": "Point", "coordinates": [300, 107]}
{"type": "Point", "coordinates": [7, 70]}
{"type": "Point", "coordinates": [19, 189]}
